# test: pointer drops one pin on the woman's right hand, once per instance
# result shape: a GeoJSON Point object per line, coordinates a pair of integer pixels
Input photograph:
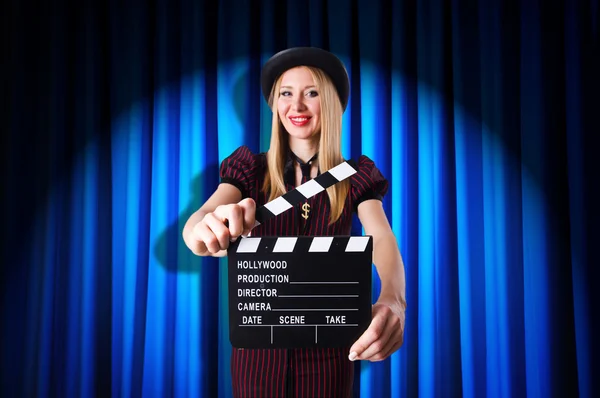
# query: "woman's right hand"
{"type": "Point", "coordinates": [212, 235]}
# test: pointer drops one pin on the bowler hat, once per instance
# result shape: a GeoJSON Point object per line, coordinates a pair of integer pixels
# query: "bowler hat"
{"type": "Point", "coordinates": [306, 56]}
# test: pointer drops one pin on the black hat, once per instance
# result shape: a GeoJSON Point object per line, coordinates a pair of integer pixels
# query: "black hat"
{"type": "Point", "coordinates": [306, 56]}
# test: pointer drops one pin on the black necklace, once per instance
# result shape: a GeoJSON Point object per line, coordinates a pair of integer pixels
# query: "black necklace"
{"type": "Point", "coordinates": [305, 167]}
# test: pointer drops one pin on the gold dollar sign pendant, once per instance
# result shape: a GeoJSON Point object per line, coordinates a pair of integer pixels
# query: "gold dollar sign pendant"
{"type": "Point", "coordinates": [305, 210]}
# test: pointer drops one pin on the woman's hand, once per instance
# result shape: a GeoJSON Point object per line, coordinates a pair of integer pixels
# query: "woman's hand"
{"type": "Point", "coordinates": [385, 334]}
{"type": "Point", "coordinates": [212, 235]}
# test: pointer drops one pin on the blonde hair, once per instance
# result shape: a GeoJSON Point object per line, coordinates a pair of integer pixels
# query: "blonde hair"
{"type": "Point", "coordinates": [330, 137]}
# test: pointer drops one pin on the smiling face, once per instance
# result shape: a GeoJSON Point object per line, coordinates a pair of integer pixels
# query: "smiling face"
{"type": "Point", "coordinates": [299, 104]}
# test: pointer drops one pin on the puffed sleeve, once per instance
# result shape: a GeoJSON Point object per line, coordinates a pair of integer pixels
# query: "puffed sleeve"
{"type": "Point", "coordinates": [367, 183]}
{"type": "Point", "coordinates": [238, 169]}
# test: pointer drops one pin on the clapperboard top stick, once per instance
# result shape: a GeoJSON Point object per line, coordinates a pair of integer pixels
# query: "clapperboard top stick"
{"type": "Point", "coordinates": [302, 291]}
{"type": "Point", "coordinates": [305, 191]}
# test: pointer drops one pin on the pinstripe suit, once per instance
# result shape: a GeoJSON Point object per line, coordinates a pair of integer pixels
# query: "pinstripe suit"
{"type": "Point", "coordinates": [318, 372]}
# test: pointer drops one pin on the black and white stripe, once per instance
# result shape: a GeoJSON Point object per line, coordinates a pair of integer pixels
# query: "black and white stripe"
{"type": "Point", "coordinates": [305, 191]}
{"type": "Point", "coordinates": [298, 245]}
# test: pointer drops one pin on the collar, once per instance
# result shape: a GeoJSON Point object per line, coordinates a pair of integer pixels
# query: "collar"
{"type": "Point", "coordinates": [288, 169]}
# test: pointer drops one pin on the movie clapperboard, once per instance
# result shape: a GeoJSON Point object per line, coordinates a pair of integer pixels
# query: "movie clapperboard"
{"type": "Point", "coordinates": [299, 291]}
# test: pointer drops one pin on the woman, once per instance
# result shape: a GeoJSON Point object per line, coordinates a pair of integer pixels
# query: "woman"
{"type": "Point", "coordinates": [307, 89]}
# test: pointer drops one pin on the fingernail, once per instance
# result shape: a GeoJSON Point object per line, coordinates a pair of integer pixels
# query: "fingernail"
{"type": "Point", "coordinates": [234, 239]}
{"type": "Point", "coordinates": [352, 356]}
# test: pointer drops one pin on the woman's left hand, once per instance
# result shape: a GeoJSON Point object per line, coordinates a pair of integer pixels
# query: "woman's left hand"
{"type": "Point", "coordinates": [385, 334]}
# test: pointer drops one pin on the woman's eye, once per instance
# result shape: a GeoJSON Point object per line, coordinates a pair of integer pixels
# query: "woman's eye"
{"type": "Point", "coordinates": [285, 94]}
{"type": "Point", "coordinates": [312, 93]}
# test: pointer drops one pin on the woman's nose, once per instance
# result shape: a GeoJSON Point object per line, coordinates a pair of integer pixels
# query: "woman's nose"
{"type": "Point", "coordinates": [298, 104]}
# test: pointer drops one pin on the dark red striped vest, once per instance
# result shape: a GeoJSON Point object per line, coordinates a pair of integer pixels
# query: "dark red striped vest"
{"type": "Point", "coordinates": [319, 372]}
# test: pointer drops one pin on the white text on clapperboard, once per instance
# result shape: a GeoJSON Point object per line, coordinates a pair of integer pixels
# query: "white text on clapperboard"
{"type": "Point", "coordinates": [271, 292]}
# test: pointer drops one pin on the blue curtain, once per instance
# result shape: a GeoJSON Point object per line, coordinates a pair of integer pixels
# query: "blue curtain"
{"type": "Point", "coordinates": [482, 114]}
